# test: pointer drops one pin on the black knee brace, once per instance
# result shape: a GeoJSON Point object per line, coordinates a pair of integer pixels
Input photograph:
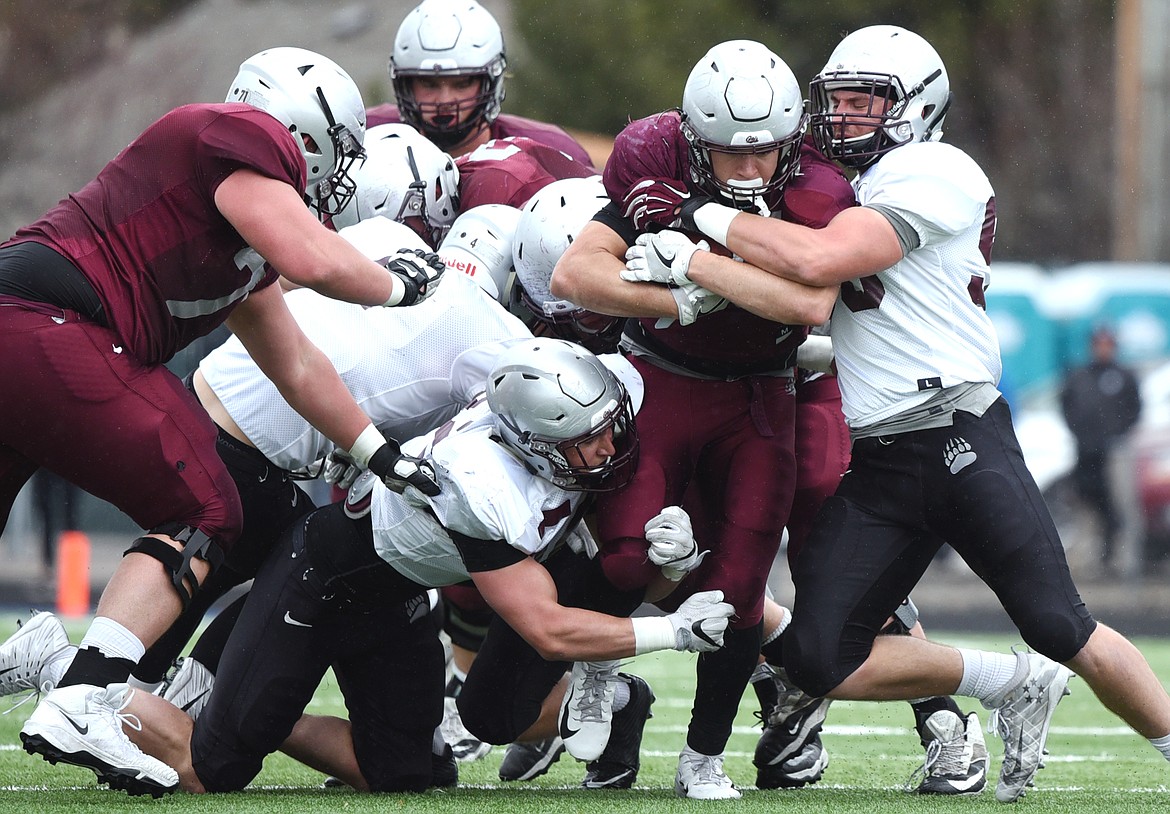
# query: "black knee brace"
{"type": "Point", "coordinates": [195, 544]}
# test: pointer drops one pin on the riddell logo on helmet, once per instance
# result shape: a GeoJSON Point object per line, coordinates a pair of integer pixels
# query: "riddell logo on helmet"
{"type": "Point", "coordinates": [466, 266]}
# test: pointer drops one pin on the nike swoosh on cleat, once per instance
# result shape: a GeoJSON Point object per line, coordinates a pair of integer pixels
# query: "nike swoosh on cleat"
{"type": "Point", "coordinates": [566, 731]}
{"type": "Point", "coordinates": [81, 730]}
{"type": "Point", "coordinates": [288, 620]}
{"type": "Point", "coordinates": [697, 629]}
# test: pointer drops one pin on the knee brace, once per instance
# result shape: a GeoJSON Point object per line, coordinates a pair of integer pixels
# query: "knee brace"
{"type": "Point", "coordinates": [178, 564]}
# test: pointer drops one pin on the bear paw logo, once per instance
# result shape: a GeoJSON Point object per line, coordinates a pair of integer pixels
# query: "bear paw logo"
{"type": "Point", "coordinates": [958, 455]}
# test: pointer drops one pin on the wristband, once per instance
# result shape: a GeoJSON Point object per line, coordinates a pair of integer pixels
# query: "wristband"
{"type": "Point", "coordinates": [653, 633]}
{"type": "Point", "coordinates": [369, 442]}
{"type": "Point", "coordinates": [397, 292]}
{"type": "Point", "coordinates": [714, 220]}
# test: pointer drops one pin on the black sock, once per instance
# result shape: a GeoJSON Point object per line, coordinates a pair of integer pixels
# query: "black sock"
{"type": "Point", "coordinates": [721, 678]}
{"type": "Point", "coordinates": [90, 666]}
{"type": "Point", "coordinates": [928, 706]}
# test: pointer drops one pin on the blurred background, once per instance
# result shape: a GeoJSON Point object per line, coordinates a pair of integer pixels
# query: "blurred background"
{"type": "Point", "coordinates": [1065, 104]}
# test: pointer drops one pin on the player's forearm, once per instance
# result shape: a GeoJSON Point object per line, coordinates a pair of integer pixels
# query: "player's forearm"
{"type": "Point", "coordinates": [760, 292]}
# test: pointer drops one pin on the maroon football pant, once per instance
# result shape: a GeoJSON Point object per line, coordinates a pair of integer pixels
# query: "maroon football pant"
{"type": "Point", "coordinates": [734, 440]}
{"type": "Point", "coordinates": [78, 404]}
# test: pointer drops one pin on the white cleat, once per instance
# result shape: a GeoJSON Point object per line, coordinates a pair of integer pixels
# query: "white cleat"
{"type": "Point", "coordinates": [189, 687]}
{"type": "Point", "coordinates": [82, 724]}
{"type": "Point", "coordinates": [35, 657]}
{"type": "Point", "coordinates": [464, 745]}
{"type": "Point", "coordinates": [701, 777]}
{"type": "Point", "coordinates": [1022, 718]}
{"type": "Point", "coordinates": [587, 708]}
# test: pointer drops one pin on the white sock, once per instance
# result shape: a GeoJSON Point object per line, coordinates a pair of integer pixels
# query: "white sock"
{"type": "Point", "coordinates": [113, 640]}
{"type": "Point", "coordinates": [621, 696]}
{"type": "Point", "coordinates": [985, 674]}
{"type": "Point", "coordinates": [1162, 744]}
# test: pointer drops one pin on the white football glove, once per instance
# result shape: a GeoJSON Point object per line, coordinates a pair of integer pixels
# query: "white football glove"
{"type": "Point", "coordinates": [340, 469]}
{"type": "Point", "coordinates": [663, 257]}
{"type": "Point", "coordinates": [360, 496]}
{"type": "Point", "coordinates": [700, 622]}
{"type": "Point", "coordinates": [693, 301]}
{"type": "Point", "coordinates": [580, 541]}
{"type": "Point", "coordinates": [672, 543]}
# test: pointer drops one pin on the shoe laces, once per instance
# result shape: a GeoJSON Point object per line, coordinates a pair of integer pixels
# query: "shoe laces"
{"type": "Point", "coordinates": [591, 704]}
{"type": "Point", "coordinates": [36, 692]}
{"type": "Point", "coordinates": [944, 758]}
{"type": "Point", "coordinates": [118, 700]}
{"type": "Point", "coordinates": [707, 769]}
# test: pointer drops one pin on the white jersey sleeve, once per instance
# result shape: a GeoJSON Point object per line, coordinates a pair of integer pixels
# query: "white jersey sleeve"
{"type": "Point", "coordinates": [920, 325]}
{"type": "Point", "coordinates": [486, 493]}
{"type": "Point", "coordinates": [409, 369]}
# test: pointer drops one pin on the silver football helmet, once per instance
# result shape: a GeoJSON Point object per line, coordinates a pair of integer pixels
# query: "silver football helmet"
{"type": "Point", "coordinates": [549, 222]}
{"type": "Point", "coordinates": [449, 38]}
{"type": "Point", "coordinates": [406, 178]}
{"type": "Point", "coordinates": [742, 98]}
{"type": "Point", "coordinates": [320, 105]}
{"type": "Point", "coordinates": [909, 94]}
{"type": "Point", "coordinates": [479, 243]}
{"type": "Point", "coordinates": [550, 397]}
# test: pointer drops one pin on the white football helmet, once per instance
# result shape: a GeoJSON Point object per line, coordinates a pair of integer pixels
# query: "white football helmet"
{"type": "Point", "coordinates": [479, 244]}
{"type": "Point", "coordinates": [549, 222]}
{"type": "Point", "coordinates": [449, 38]}
{"type": "Point", "coordinates": [320, 105]}
{"type": "Point", "coordinates": [549, 397]}
{"type": "Point", "coordinates": [406, 178]}
{"type": "Point", "coordinates": [909, 94]}
{"type": "Point", "coordinates": [742, 98]}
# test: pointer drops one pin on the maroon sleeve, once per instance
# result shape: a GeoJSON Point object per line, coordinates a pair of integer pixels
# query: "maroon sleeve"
{"type": "Point", "coordinates": [247, 138]}
{"type": "Point", "coordinates": [385, 113]}
{"type": "Point", "coordinates": [647, 148]}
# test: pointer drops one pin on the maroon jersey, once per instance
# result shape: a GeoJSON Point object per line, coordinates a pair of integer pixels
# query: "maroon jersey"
{"type": "Point", "coordinates": [654, 147]}
{"type": "Point", "coordinates": [505, 126]}
{"type": "Point", "coordinates": [510, 171]}
{"type": "Point", "coordinates": [166, 265]}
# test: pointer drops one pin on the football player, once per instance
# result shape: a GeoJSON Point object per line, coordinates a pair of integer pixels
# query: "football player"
{"type": "Point", "coordinates": [447, 68]}
{"type": "Point", "coordinates": [103, 289]}
{"type": "Point", "coordinates": [719, 378]}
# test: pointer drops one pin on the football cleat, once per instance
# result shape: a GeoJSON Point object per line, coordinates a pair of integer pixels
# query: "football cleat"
{"type": "Point", "coordinates": [701, 777]}
{"type": "Point", "coordinates": [1022, 718]}
{"type": "Point", "coordinates": [617, 768]}
{"type": "Point", "coordinates": [956, 756]}
{"type": "Point", "coordinates": [35, 657]}
{"type": "Point", "coordinates": [188, 687]}
{"type": "Point", "coordinates": [82, 724]}
{"type": "Point", "coordinates": [465, 746]}
{"type": "Point", "coordinates": [528, 761]}
{"type": "Point", "coordinates": [587, 708]}
{"type": "Point", "coordinates": [790, 753]}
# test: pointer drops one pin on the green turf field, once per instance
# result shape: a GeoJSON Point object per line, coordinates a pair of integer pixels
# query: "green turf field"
{"type": "Point", "coordinates": [1095, 765]}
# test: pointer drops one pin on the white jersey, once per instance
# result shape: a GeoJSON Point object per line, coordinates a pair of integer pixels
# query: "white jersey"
{"type": "Point", "coordinates": [409, 368]}
{"type": "Point", "coordinates": [901, 335]}
{"type": "Point", "coordinates": [486, 493]}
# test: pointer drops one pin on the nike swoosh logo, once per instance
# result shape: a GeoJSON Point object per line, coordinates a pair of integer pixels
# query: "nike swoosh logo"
{"type": "Point", "coordinates": [666, 262]}
{"type": "Point", "coordinates": [697, 629]}
{"type": "Point", "coordinates": [187, 707]}
{"type": "Point", "coordinates": [81, 730]}
{"type": "Point", "coordinates": [7, 670]}
{"type": "Point", "coordinates": [566, 731]}
{"type": "Point", "coordinates": [288, 620]}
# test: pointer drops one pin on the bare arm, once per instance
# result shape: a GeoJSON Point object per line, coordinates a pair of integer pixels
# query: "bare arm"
{"type": "Point", "coordinates": [271, 216]}
{"type": "Point", "coordinates": [856, 243]}
{"type": "Point", "coordinates": [765, 295]}
{"type": "Point", "coordinates": [526, 598]}
{"type": "Point", "coordinates": [587, 276]}
{"type": "Point", "coordinates": [301, 372]}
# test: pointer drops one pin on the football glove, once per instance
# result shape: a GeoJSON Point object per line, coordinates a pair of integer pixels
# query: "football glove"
{"type": "Point", "coordinates": [693, 301]}
{"type": "Point", "coordinates": [700, 622]}
{"type": "Point", "coordinates": [399, 471]}
{"type": "Point", "coordinates": [419, 272]}
{"type": "Point", "coordinates": [340, 469]}
{"type": "Point", "coordinates": [672, 543]}
{"type": "Point", "coordinates": [664, 201]}
{"type": "Point", "coordinates": [664, 257]}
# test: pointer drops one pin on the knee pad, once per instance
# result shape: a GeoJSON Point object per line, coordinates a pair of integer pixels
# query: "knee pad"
{"type": "Point", "coordinates": [466, 626]}
{"type": "Point", "coordinates": [178, 564]}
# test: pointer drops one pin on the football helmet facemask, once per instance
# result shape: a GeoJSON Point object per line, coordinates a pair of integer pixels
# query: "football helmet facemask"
{"type": "Point", "coordinates": [449, 38]}
{"type": "Point", "coordinates": [742, 98]}
{"type": "Point", "coordinates": [320, 105]}
{"type": "Point", "coordinates": [551, 398]}
{"type": "Point", "coordinates": [908, 88]}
